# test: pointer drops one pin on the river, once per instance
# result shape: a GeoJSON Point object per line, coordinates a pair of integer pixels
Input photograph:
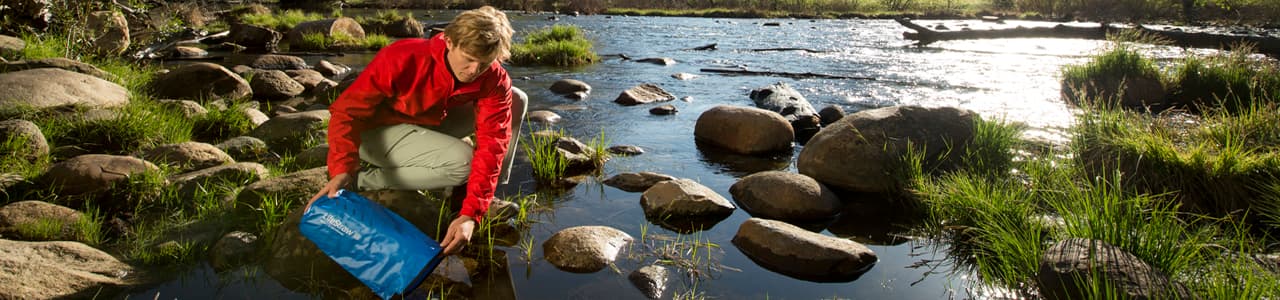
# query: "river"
{"type": "Point", "coordinates": [1016, 80]}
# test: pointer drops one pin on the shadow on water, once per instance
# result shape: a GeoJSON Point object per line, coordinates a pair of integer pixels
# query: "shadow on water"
{"type": "Point", "coordinates": [739, 165]}
{"type": "Point", "coordinates": [876, 219]}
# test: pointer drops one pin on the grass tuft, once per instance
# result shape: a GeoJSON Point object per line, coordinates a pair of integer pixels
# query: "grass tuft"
{"type": "Point", "coordinates": [559, 45]}
{"type": "Point", "coordinates": [1112, 79]}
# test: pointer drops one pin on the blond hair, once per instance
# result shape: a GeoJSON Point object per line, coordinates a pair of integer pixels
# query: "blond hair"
{"type": "Point", "coordinates": [483, 32]}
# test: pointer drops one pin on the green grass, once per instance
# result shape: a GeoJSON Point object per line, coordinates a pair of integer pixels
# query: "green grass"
{"type": "Point", "coordinates": [1102, 78]}
{"type": "Point", "coordinates": [22, 165]}
{"type": "Point", "coordinates": [281, 22]}
{"type": "Point", "coordinates": [547, 163]}
{"type": "Point", "coordinates": [139, 125]}
{"type": "Point", "coordinates": [320, 41]}
{"type": "Point", "coordinates": [600, 150]}
{"type": "Point", "coordinates": [558, 45]}
{"type": "Point", "coordinates": [1232, 81]}
{"type": "Point", "coordinates": [219, 125]}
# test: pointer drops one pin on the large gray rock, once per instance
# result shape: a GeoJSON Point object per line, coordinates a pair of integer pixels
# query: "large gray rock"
{"type": "Point", "coordinates": [329, 27]}
{"type": "Point", "coordinates": [188, 156]}
{"type": "Point", "coordinates": [48, 87]}
{"type": "Point", "coordinates": [308, 78]}
{"type": "Point", "coordinates": [274, 85]}
{"type": "Point", "coordinates": [831, 114]}
{"type": "Point", "coordinates": [644, 93]}
{"type": "Point", "coordinates": [110, 32]}
{"type": "Point", "coordinates": [330, 69]}
{"type": "Point", "coordinates": [683, 198]}
{"type": "Point", "coordinates": [189, 109]}
{"type": "Point", "coordinates": [403, 28]}
{"type": "Point", "coordinates": [801, 254]}
{"type": "Point", "coordinates": [244, 148]}
{"type": "Point", "coordinates": [1068, 267]}
{"type": "Point", "coordinates": [787, 196]}
{"type": "Point", "coordinates": [290, 132]}
{"type": "Point", "coordinates": [543, 116]}
{"type": "Point", "coordinates": [861, 152]}
{"type": "Point", "coordinates": [188, 52]}
{"type": "Point", "coordinates": [651, 280]}
{"type": "Point", "coordinates": [268, 61]}
{"type": "Point", "coordinates": [636, 182]}
{"type": "Point", "coordinates": [93, 173]}
{"type": "Point", "coordinates": [34, 144]}
{"type": "Point", "coordinates": [233, 250]}
{"type": "Point", "coordinates": [32, 214]}
{"type": "Point", "coordinates": [585, 249]}
{"type": "Point", "coordinates": [570, 86]}
{"type": "Point", "coordinates": [744, 130]}
{"type": "Point", "coordinates": [236, 174]}
{"type": "Point", "coordinates": [298, 186]}
{"type": "Point", "coordinates": [58, 270]}
{"type": "Point", "coordinates": [11, 45]}
{"type": "Point", "coordinates": [316, 156]}
{"type": "Point", "coordinates": [786, 101]}
{"type": "Point", "coordinates": [200, 81]}
{"type": "Point", "coordinates": [59, 63]}
{"type": "Point", "coordinates": [255, 38]}
{"type": "Point", "coordinates": [297, 264]}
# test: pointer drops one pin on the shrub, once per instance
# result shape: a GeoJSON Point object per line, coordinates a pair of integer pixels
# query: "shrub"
{"type": "Point", "coordinates": [1118, 77]}
{"type": "Point", "coordinates": [559, 45]}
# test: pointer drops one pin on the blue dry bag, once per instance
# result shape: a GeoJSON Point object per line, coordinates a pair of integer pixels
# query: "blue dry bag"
{"type": "Point", "coordinates": [377, 246]}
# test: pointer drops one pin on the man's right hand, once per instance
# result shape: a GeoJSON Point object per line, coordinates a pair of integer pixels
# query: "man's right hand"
{"type": "Point", "coordinates": [336, 183]}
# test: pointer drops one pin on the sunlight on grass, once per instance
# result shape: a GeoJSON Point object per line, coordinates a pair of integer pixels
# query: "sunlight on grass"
{"type": "Point", "coordinates": [559, 45]}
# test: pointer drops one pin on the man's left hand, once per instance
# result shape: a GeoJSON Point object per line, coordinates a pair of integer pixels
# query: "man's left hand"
{"type": "Point", "coordinates": [458, 235]}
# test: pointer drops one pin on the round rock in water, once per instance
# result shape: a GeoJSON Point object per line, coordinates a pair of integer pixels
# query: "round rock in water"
{"type": "Point", "coordinates": [570, 86]}
{"type": "Point", "coordinates": [585, 249]}
{"type": "Point", "coordinates": [781, 195]}
{"type": "Point", "coordinates": [626, 150]}
{"type": "Point", "coordinates": [651, 280]}
{"type": "Point", "coordinates": [683, 198]}
{"type": "Point", "coordinates": [664, 110]}
{"type": "Point", "coordinates": [636, 182]}
{"type": "Point", "coordinates": [543, 116]}
{"type": "Point", "coordinates": [232, 250]}
{"type": "Point", "coordinates": [744, 130]}
{"type": "Point", "coordinates": [801, 254]}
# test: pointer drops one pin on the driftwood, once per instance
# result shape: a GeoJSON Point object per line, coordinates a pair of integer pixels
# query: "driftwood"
{"type": "Point", "coordinates": [1261, 44]}
{"type": "Point", "coordinates": [788, 49]}
{"type": "Point", "coordinates": [188, 36]}
{"type": "Point", "coordinates": [781, 74]}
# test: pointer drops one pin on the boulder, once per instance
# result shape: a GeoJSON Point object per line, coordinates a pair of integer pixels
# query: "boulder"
{"type": "Point", "coordinates": [644, 93]}
{"type": "Point", "coordinates": [93, 173]}
{"type": "Point", "coordinates": [661, 61]}
{"type": "Point", "coordinates": [268, 61]}
{"type": "Point", "coordinates": [237, 174]}
{"type": "Point", "coordinates": [684, 76]}
{"type": "Point", "coordinates": [663, 110]}
{"type": "Point", "coordinates": [34, 13]}
{"type": "Point", "coordinates": [188, 52]}
{"type": "Point", "coordinates": [331, 28]}
{"type": "Point", "coordinates": [11, 45]}
{"type": "Point", "coordinates": [296, 263]}
{"type": "Point", "coordinates": [636, 182]}
{"type": "Point", "coordinates": [801, 254]}
{"type": "Point", "coordinates": [585, 249]}
{"type": "Point", "coordinates": [1129, 90]}
{"type": "Point", "coordinates": [299, 186]}
{"type": "Point", "coordinates": [330, 69]}
{"type": "Point", "coordinates": [255, 38]}
{"type": "Point", "coordinates": [1069, 263]}
{"type": "Point", "coordinates": [33, 143]}
{"type": "Point", "coordinates": [200, 81]}
{"type": "Point", "coordinates": [626, 150]}
{"type": "Point", "coordinates": [189, 109]}
{"type": "Point", "coordinates": [308, 78]}
{"type": "Point", "coordinates": [288, 133]}
{"type": "Point", "coordinates": [256, 117]}
{"type": "Point", "coordinates": [244, 148]}
{"type": "Point", "coordinates": [233, 250]}
{"type": "Point", "coordinates": [786, 101]}
{"type": "Point", "coordinates": [830, 114]}
{"type": "Point", "coordinates": [403, 28]}
{"type": "Point", "coordinates": [569, 86]}
{"type": "Point", "coordinates": [543, 116]}
{"type": "Point", "coordinates": [651, 280]}
{"type": "Point", "coordinates": [60, 221]}
{"type": "Point", "coordinates": [59, 270]}
{"type": "Point", "coordinates": [110, 31]}
{"type": "Point", "coordinates": [787, 196]}
{"type": "Point", "coordinates": [744, 130]}
{"type": "Point", "coordinates": [683, 198]}
{"type": "Point", "coordinates": [860, 152]}
{"type": "Point", "coordinates": [60, 63]}
{"type": "Point", "coordinates": [188, 156]}
{"type": "Point", "coordinates": [49, 87]}
{"type": "Point", "coordinates": [274, 85]}
{"type": "Point", "coordinates": [317, 156]}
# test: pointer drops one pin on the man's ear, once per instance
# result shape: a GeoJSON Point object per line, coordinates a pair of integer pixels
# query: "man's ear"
{"type": "Point", "coordinates": [448, 44]}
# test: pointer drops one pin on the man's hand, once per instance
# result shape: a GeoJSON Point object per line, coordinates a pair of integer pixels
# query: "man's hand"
{"type": "Point", "coordinates": [458, 235]}
{"type": "Point", "coordinates": [336, 183]}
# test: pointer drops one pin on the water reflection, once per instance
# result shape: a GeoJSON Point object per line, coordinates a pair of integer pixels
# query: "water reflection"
{"type": "Point", "coordinates": [739, 165]}
{"type": "Point", "coordinates": [875, 219]}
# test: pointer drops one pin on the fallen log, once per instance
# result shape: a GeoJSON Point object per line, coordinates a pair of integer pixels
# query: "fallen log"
{"type": "Point", "coordinates": [1261, 44]}
{"type": "Point", "coordinates": [781, 74]}
{"type": "Point", "coordinates": [788, 49]}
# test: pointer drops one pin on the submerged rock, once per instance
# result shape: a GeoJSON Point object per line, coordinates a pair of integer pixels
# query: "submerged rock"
{"type": "Point", "coordinates": [801, 254]}
{"type": "Point", "coordinates": [788, 196]}
{"type": "Point", "coordinates": [233, 250]}
{"type": "Point", "coordinates": [636, 182]}
{"type": "Point", "coordinates": [651, 280]}
{"type": "Point", "coordinates": [626, 150]}
{"type": "Point", "coordinates": [585, 249]}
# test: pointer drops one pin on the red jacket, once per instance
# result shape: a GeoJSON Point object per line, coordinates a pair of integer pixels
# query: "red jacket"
{"type": "Point", "coordinates": [409, 82]}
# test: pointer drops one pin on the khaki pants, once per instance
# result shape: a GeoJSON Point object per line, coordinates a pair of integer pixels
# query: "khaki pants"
{"type": "Point", "coordinates": [413, 157]}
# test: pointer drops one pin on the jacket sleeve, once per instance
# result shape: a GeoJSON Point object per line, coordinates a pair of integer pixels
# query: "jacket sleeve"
{"type": "Point", "coordinates": [493, 131]}
{"type": "Point", "coordinates": [350, 113]}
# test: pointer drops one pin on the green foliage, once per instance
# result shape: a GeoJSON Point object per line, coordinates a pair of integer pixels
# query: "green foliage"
{"type": "Point", "coordinates": [1100, 81]}
{"type": "Point", "coordinates": [23, 165]}
{"type": "Point", "coordinates": [990, 153]}
{"type": "Point", "coordinates": [548, 164]}
{"type": "Point", "coordinates": [559, 45]}
{"type": "Point", "coordinates": [139, 125]}
{"type": "Point", "coordinates": [219, 125]}
{"type": "Point", "coordinates": [1232, 81]}
{"type": "Point", "coordinates": [282, 21]}
{"type": "Point", "coordinates": [320, 41]}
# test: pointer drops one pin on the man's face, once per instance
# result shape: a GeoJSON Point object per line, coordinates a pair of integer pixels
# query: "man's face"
{"type": "Point", "coordinates": [466, 68]}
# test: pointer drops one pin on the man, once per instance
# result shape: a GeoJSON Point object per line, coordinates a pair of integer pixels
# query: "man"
{"type": "Point", "coordinates": [405, 115]}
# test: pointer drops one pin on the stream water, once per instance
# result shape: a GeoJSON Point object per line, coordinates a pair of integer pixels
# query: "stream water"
{"type": "Point", "coordinates": [1014, 79]}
